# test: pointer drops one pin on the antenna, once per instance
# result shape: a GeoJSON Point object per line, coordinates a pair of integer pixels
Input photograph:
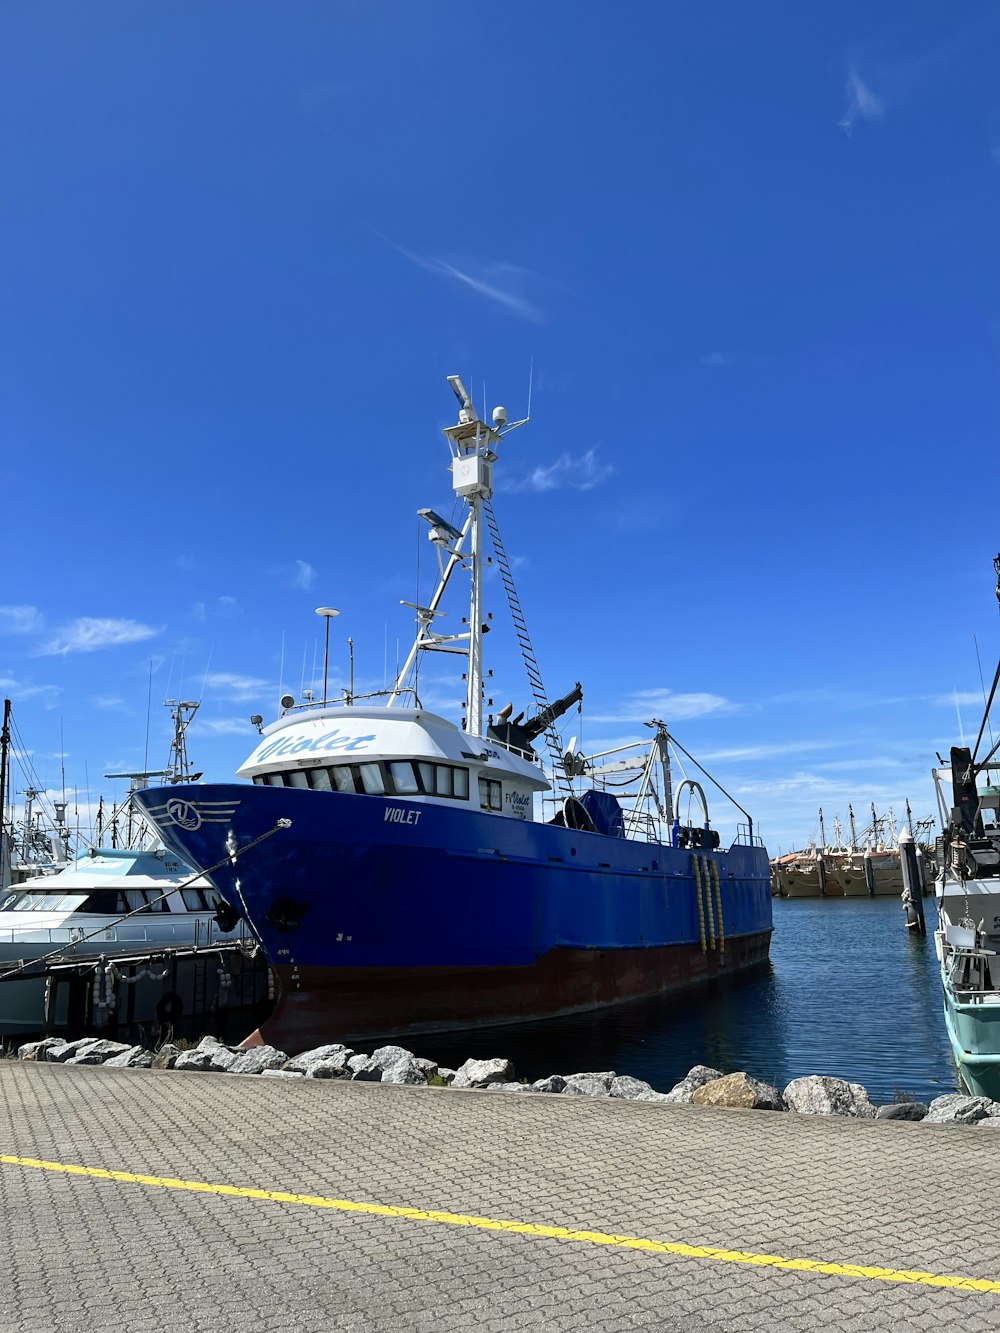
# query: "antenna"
{"type": "Point", "coordinates": [204, 679]}
{"type": "Point", "coordinates": [531, 378]}
{"type": "Point", "coordinates": [149, 704]}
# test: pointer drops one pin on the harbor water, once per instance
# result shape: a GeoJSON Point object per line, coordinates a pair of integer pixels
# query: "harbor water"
{"type": "Point", "coordinates": [848, 992]}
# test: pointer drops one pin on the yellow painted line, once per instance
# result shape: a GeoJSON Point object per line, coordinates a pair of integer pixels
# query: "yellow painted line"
{"type": "Point", "coordinates": [711, 1252]}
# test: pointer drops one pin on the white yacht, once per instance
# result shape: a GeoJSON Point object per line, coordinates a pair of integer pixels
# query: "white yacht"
{"type": "Point", "coordinates": [110, 903]}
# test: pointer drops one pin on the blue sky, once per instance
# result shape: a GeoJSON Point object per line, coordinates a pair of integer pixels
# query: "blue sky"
{"type": "Point", "coordinates": [750, 250]}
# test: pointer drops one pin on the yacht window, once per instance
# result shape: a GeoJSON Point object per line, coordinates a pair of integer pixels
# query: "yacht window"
{"type": "Point", "coordinates": [490, 794]}
{"type": "Point", "coordinates": [403, 778]}
{"type": "Point", "coordinates": [320, 779]}
{"type": "Point", "coordinates": [194, 900]}
{"type": "Point", "coordinates": [35, 901]}
{"type": "Point", "coordinates": [371, 778]}
{"type": "Point", "coordinates": [274, 779]}
{"type": "Point", "coordinates": [106, 902]}
{"type": "Point", "coordinates": [136, 900]}
{"type": "Point", "coordinates": [343, 778]}
{"type": "Point", "coordinates": [461, 776]}
{"type": "Point", "coordinates": [426, 772]}
{"type": "Point", "coordinates": [299, 778]}
{"type": "Point", "coordinates": [445, 784]}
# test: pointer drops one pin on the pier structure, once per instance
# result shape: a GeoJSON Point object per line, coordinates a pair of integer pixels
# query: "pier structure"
{"type": "Point", "coordinates": [165, 1200]}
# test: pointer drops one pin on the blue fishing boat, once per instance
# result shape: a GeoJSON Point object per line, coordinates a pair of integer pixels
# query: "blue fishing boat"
{"type": "Point", "coordinates": [405, 873]}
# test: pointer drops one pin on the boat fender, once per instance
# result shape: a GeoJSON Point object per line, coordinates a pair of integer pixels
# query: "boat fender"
{"type": "Point", "coordinates": [225, 917]}
{"type": "Point", "coordinates": [169, 1007]}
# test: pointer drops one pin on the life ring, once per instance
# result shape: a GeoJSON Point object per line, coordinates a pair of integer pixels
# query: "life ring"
{"type": "Point", "coordinates": [169, 1007]}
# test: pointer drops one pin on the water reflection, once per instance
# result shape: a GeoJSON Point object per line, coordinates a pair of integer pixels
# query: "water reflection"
{"type": "Point", "coordinates": [849, 992]}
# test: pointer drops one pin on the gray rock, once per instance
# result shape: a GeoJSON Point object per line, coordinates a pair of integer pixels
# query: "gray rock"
{"type": "Point", "coordinates": [385, 1056]}
{"type": "Point", "coordinates": [405, 1070]}
{"type": "Point", "coordinates": [509, 1087]}
{"type": "Point", "coordinates": [817, 1094]}
{"type": "Point", "coordinates": [301, 1063]}
{"type": "Point", "coordinates": [255, 1059]}
{"type": "Point", "coordinates": [38, 1050]}
{"type": "Point", "coordinates": [212, 1058]}
{"type": "Point", "coordinates": [956, 1109]}
{"type": "Point", "coordinates": [69, 1049]}
{"type": "Point", "coordinates": [166, 1056]}
{"type": "Point", "coordinates": [695, 1078]}
{"type": "Point", "coordinates": [429, 1067]}
{"type": "Point", "coordinates": [281, 1073]}
{"type": "Point", "coordinates": [590, 1085]}
{"type": "Point", "coordinates": [901, 1111]}
{"type": "Point", "coordinates": [739, 1090]}
{"type": "Point", "coordinates": [554, 1083]}
{"type": "Point", "coordinates": [337, 1066]}
{"type": "Point", "coordinates": [481, 1073]}
{"type": "Point", "coordinates": [364, 1070]}
{"type": "Point", "coordinates": [635, 1090]}
{"type": "Point", "coordinates": [97, 1052]}
{"type": "Point", "coordinates": [134, 1057]}
{"type": "Point", "coordinates": [990, 1122]}
{"type": "Point", "coordinates": [445, 1074]}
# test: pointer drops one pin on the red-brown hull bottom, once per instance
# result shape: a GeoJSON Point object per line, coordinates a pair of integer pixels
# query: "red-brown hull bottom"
{"type": "Point", "coordinates": [325, 1004]}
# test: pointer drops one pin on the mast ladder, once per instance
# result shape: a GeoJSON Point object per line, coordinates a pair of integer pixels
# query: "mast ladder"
{"type": "Point", "coordinates": [524, 639]}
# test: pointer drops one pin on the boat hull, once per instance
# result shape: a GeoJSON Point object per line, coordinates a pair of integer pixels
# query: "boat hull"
{"type": "Point", "coordinates": [974, 1034]}
{"type": "Point", "coordinates": [383, 1002]}
{"type": "Point", "coordinates": [381, 915]}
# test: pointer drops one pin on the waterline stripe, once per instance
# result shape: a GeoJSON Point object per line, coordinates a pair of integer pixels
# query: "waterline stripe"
{"type": "Point", "coordinates": [873, 1273]}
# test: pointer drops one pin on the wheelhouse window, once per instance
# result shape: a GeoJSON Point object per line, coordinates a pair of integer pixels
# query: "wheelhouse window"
{"type": "Point", "coordinates": [371, 779]}
{"type": "Point", "coordinates": [398, 777]}
{"type": "Point", "coordinates": [404, 779]}
{"type": "Point", "coordinates": [490, 794]}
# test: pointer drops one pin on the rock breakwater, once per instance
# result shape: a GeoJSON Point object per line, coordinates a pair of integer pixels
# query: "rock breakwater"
{"type": "Point", "coordinates": [814, 1094]}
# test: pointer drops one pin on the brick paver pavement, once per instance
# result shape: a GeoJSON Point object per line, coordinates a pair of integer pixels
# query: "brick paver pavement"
{"type": "Point", "coordinates": [85, 1253]}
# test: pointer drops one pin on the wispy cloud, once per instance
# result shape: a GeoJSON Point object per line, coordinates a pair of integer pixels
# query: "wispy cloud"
{"type": "Point", "coordinates": [223, 608]}
{"type": "Point", "coordinates": [239, 688]}
{"type": "Point", "coordinates": [89, 633]}
{"type": "Point", "coordinates": [764, 751]}
{"type": "Point", "coordinates": [226, 726]}
{"type": "Point", "coordinates": [566, 473]}
{"type": "Point", "coordinates": [109, 703]}
{"type": "Point", "coordinates": [305, 575]}
{"type": "Point", "coordinates": [500, 283]}
{"type": "Point", "coordinates": [957, 698]}
{"type": "Point", "coordinates": [48, 695]}
{"type": "Point", "coordinates": [644, 705]}
{"type": "Point", "coordinates": [20, 619]}
{"type": "Point", "coordinates": [862, 103]}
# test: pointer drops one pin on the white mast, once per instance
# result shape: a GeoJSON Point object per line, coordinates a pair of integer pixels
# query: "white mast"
{"type": "Point", "coordinates": [473, 453]}
{"type": "Point", "coordinates": [472, 480]}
